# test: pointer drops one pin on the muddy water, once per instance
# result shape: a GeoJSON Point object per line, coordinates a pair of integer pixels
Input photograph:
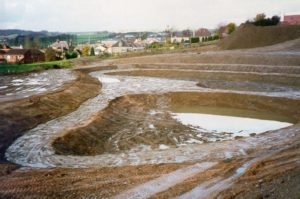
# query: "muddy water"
{"type": "Point", "coordinates": [24, 85]}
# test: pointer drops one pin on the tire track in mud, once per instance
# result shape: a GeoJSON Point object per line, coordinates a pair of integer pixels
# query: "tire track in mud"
{"type": "Point", "coordinates": [164, 182]}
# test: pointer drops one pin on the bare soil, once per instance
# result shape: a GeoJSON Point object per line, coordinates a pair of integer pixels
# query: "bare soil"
{"type": "Point", "coordinates": [21, 115]}
{"type": "Point", "coordinates": [275, 175]}
{"type": "Point", "coordinates": [250, 36]}
{"type": "Point", "coordinates": [127, 122]}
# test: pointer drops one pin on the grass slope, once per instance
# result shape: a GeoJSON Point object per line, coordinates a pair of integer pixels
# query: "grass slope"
{"type": "Point", "coordinates": [20, 68]}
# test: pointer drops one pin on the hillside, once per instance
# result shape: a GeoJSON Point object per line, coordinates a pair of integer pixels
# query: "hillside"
{"type": "Point", "coordinates": [250, 36]}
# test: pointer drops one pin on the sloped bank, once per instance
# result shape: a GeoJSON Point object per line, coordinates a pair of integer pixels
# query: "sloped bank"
{"type": "Point", "coordinates": [250, 36]}
{"type": "Point", "coordinates": [19, 116]}
{"type": "Point", "coordinates": [144, 119]}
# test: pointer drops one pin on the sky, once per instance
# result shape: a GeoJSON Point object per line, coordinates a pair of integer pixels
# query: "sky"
{"type": "Point", "coordinates": [134, 15]}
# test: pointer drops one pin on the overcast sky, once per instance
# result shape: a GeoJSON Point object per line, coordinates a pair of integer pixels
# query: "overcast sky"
{"type": "Point", "coordinates": [133, 15]}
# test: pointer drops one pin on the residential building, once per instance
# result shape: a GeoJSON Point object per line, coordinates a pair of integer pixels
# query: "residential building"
{"type": "Point", "coordinates": [202, 33]}
{"type": "Point", "coordinates": [23, 56]}
{"type": "Point", "coordinates": [179, 39]}
{"type": "Point", "coordinates": [101, 48]}
{"type": "Point", "coordinates": [291, 19]}
{"type": "Point", "coordinates": [60, 46]}
{"type": "Point", "coordinates": [109, 42]}
{"type": "Point", "coordinates": [2, 60]}
{"type": "Point", "coordinates": [121, 47]}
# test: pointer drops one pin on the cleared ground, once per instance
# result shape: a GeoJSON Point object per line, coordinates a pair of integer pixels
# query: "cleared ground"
{"type": "Point", "coordinates": [265, 165]}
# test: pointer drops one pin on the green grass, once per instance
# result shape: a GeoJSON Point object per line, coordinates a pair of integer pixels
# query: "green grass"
{"type": "Point", "coordinates": [21, 68]}
{"type": "Point", "coordinates": [83, 38]}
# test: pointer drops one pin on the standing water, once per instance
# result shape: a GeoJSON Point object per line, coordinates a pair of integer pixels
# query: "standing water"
{"type": "Point", "coordinates": [237, 122]}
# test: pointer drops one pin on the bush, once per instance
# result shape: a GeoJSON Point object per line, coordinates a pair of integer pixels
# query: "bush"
{"type": "Point", "coordinates": [195, 40]}
{"type": "Point", "coordinates": [262, 21]}
{"type": "Point", "coordinates": [215, 37]}
{"type": "Point", "coordinates": [71, 55]}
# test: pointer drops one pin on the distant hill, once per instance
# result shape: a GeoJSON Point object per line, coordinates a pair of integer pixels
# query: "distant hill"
{"type": "Point", "coordinates": [8, 32]}
{"type": "Point", "coordinates": [42, 39]}
{"type": "Point", "coordinates": [250, 36]}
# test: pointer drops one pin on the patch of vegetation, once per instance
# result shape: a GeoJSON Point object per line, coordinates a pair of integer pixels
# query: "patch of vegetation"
{"type": "Point", "coordinates": [261, 20]}
{"type": "Point", "coordinates": [71, 55]}
{"type": "Point", "coordinates": [21, 68]}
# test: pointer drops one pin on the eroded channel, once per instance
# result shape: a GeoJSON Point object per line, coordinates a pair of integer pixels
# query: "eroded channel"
{"type": "Point", "coordinates": [133, 121]}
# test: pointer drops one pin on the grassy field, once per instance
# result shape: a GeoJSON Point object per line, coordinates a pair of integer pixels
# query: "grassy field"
{"type": "Point", "coordinates": [83, 38]}
{"type": "Point", "coordinates": [21, 68]}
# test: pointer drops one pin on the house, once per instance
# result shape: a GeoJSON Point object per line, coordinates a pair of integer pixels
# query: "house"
{"type": "Point", "coordinates": [100, 49]}
{"type": "Point", "coordinates": [60, 46]}
{"type": "Point", "coordinates": [202, 33]}
{"type": "Point", "coordinates": [2, 59]}
{"type": "Point", "coordinates": [291, 19]}
{"type": "Point", "coordinates": [23, 56]}
{"type": "Point", "coordinates": [5, 47]}
{"type": "Point", "coordinates": [151, 40]}
{"type": "Point", "coordinates": [121, 47]}
{"type": "Point", "coordinates": [179, 39]}
{"type": "Point", "coordinates": [109, 42]}
{"type": "Point", "coordinates": [129, 38]}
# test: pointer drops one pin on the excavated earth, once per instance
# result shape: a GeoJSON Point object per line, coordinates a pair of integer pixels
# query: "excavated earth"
{"type": "Point", "coordinates": [110, 132]}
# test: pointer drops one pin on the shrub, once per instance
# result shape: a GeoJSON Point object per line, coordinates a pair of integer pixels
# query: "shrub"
{"type": "Point", "coordinates": [261, 20]}
{"type": "Point", "coordinates": [71, 55]}
{"type": "Point", "coordinates": [195, 40]}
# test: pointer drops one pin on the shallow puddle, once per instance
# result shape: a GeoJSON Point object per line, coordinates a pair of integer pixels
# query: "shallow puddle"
{"type": "Point", "coordinates": [237, 122]}
{"type": "Point", "coordinates": [24, 85]}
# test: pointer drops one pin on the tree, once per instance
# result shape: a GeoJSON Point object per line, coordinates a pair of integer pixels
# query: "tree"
{"type": "Point", "coordinates": [259, 17]}
{"type": "Point", "coordinates": [86, 50]}
{"type": "Point", "coordinates": [230, 28]}
{"type": "Point", "coordinates": [144, 35]}
{"type": "Point", "coordinates": [221, 30]}
{"type": "Point", "coordinates": [187, 33]}
{"type": "Point", "coordinates": [92, 53]}
{"type": "Point", "coordinates": [275, 19]}
{"type": "Point", "coordinates": [50, 54]}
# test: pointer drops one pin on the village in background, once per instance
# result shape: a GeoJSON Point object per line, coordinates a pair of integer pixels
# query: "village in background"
{"type": "Point", "coordinates": [24, 47]}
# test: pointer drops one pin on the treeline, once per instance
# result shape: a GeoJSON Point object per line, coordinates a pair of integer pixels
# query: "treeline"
{"type": "Point", "coordinates": [38, 41]}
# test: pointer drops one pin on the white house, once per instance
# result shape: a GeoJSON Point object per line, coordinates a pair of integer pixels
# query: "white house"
{"type": "Point", "coordinates": [101, 48]}
{"type": "Point", "coordinates": [121, 47]}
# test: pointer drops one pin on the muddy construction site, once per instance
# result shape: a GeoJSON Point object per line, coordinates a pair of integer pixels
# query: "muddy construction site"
{"type": "Point", "coordinates": [202, 124]}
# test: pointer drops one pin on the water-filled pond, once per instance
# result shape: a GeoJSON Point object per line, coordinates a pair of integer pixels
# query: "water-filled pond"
{"type": "Point", "coordinates": [237, 122]}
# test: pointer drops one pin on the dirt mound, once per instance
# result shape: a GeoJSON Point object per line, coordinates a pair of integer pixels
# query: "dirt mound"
{"type": "Point", "coordinates": [250, 36]}
{"type": "Point", "coordinates": [21, 115]}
